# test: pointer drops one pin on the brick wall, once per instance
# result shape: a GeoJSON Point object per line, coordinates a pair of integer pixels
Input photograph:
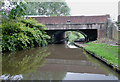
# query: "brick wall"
{"type": "Point", "coordinates": [101, 34]}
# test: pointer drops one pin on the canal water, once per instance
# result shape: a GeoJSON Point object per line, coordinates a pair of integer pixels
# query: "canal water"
{"type": "Point", "coordinates": [54, 62]}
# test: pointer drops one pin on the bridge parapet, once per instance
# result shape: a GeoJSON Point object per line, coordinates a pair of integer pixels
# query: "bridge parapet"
{"type": "Point", "coordinates": [75, 26]}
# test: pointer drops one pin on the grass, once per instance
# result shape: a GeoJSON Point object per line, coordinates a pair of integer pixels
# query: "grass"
{"type": "Point", "coordinates": [106, 51]}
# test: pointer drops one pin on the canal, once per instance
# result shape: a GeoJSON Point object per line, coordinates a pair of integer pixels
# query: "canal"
{"type": "Point", "coordinates": [54, 62]}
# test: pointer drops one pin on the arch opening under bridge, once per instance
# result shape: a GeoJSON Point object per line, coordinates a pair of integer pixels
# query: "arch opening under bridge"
{"type": "Point", "coordinates": [58, 36]}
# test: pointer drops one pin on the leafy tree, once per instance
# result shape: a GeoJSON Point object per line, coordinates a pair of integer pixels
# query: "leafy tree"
{"type": "Point", "coordinates": [0, 6]}
{"type": "Point", "coordinates": [12, 9]}
{"type": "Point", "coordinates": [47, 8]}
{"type": "Point", "coordinates": [18, 11]}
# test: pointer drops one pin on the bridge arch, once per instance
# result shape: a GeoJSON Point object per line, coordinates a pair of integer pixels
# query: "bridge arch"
{"type": "Point", "coordinates": [85, 35]}
{"type": "Point", "coordinates": [58, 36]}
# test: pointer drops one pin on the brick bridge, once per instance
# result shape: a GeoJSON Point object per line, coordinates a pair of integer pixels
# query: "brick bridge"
{"type": "Point", "coordinates": [93, 26]}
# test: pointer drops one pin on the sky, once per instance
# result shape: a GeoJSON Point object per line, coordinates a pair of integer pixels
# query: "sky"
{"type": "Point", "coordinates": [94, 7]}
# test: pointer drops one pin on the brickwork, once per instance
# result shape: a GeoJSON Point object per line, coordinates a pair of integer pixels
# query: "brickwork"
{"type": "Point", "coordinates": [75, 22]}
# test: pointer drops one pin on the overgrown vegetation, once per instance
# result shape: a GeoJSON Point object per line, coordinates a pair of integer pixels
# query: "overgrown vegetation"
{"type": "Point", "coordinates": [20, 34]}
{"type": "Point", "coordinates": [105, 51]}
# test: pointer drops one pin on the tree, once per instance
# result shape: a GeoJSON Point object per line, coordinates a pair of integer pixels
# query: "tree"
{"type": "Point", "coordinates": [0, 5]}
{"type": "Point", "coordinates": [47, 8]}
{"type": "Point", "coordinates": [19, 33]}
{"type": "Point", "coordinates": [12, 9]}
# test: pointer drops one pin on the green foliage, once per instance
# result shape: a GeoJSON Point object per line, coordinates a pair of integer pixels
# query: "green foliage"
{"type": "Point", "coordinates": [0, 4]}
{"type": "Point", "coordinates": [18, 35]}
{"type": "Point", "coordinates": [106, 51]}
{"type": "Point", "coordinates": [11, 27]}
{"type": "Point", "coordinates": [47, 8]}
{"type": "Point", "coordinates": [18, 11]}
{"type": "Point", "coordinates": [12, 10]}
{"type": "Point", "coordinates": [33, 23]}
{"type": "Point", "coordinates": [73, 35]}
{"type": "Point", "coordinates": [119, 24]}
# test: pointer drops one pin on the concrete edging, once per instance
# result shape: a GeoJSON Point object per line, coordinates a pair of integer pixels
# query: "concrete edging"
{"type": "Point", "coordinates": [100, 58]}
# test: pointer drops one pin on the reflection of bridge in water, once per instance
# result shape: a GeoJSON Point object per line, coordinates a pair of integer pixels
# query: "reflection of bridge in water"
{"type": "Point", "coordinates": [75, 66]}
{"type": "Point", "coordinates": [70, 60]}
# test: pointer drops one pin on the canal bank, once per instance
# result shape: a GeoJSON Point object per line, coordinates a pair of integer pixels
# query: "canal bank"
{"type": "Point", "coordinates": [103, 52]}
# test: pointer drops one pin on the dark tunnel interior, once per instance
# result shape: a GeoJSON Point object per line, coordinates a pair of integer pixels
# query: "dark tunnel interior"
{"type": "Point", "coordinates": [58, 35]}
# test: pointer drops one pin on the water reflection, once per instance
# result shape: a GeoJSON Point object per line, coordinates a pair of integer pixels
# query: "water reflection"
{"type": "Point", "coordinates": [22, 62]}
{"type": "Point", "coordinates": [86, 76]}
{"type": "Point", "coordinates": [111, 73]}
{"type": "Point", "coordinates": [38, 75]}
{"type": "Point", "coordinates": [54, 62]}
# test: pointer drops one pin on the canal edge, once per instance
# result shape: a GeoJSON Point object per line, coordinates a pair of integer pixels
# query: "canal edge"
{"type": "Point", "coordinates": [99, 58]}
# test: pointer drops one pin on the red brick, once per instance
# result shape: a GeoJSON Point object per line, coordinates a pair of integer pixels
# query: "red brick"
{"type": "Point", "coordinates": [72, 19]}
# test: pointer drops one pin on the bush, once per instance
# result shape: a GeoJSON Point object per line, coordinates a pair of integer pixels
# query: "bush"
{"type": "Point", "coordinates": [18, 35]}
{"type": "Point", "coordinates": [33, 23]}
{"type": "Point", "coordinates": [11, 27]}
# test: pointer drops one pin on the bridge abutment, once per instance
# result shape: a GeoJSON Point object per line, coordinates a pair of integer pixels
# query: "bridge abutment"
{"type": "Point", "coordinates": [100, 33]}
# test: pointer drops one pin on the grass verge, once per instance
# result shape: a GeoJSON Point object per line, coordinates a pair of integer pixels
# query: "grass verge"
{"type": "Point", "coordinates": [105, 51]}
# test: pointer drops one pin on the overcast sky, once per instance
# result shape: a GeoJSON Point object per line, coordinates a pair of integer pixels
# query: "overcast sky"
{"type": "Point", "coordinates": [94, 7]}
